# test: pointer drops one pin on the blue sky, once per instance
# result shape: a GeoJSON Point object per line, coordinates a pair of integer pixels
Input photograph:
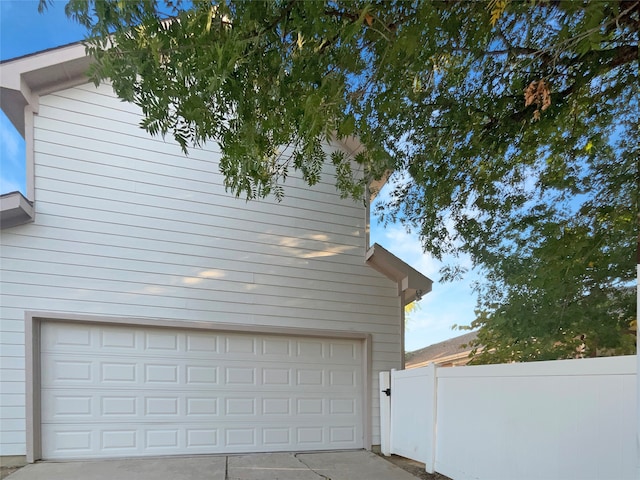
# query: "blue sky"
{"type": "Point", "coordinates": [23, 31]}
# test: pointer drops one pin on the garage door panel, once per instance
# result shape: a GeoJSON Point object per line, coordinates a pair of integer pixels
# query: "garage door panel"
{"type": "Point", "coordinates": [65, 372]}
{"type": "Point", "coordinates": [114, 340]}
{"type": "Point", "coordinates": [139, 405]}
{"type": "Point", "coordinates": [120, 439]}
{"type": "Point", "coordinates": [111, 391]}
{"type": "Point", "coordinates": [73, 369]}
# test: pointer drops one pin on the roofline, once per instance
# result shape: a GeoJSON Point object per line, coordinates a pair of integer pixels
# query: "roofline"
{"type": "Point", "coordinates": [462, 355]}
{"type": "Point", "coordinates": [24, 79]}
{"type": "Point", "coordinates": [410, 281]}
{"type": "Point", "coordinates": [44, 50]}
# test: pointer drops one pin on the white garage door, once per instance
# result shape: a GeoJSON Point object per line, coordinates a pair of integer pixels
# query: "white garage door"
{"type": "Point", "coordinates": [114, 391]}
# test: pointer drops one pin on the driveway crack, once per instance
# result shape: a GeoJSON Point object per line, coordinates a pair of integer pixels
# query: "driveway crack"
{"type": "Point", "coordinates": [306, 465]}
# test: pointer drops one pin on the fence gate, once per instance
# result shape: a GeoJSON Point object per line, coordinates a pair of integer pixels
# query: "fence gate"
{"type": "Point", "coordinates": [408, 414]}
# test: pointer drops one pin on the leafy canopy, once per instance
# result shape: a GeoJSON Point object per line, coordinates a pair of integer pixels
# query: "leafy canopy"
{"type": "Point", "coordinates": [513, 126]}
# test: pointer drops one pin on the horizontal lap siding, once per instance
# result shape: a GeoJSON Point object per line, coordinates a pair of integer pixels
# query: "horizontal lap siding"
{"type": "Point", "coordinates": [12, 388]}
{"type": "Point", "coordinates": [128, 226]}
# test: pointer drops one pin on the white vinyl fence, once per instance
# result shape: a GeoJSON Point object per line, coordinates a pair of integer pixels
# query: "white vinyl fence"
{"type": "Point", "coordinates": [564, 420]}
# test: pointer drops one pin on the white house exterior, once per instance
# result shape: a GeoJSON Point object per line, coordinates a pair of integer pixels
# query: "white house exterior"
{"type": "Point", "coordinates": [145, 311]}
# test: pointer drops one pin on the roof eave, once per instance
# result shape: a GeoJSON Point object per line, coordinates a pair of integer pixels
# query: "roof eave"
{"type": "Point", "coordinates": [353, 145]}
{"type": "Point", "coordinates": [410, 281]}
{"type": "Point", "coordinates": [15, 210]}
{"type": "Point", "coordinates": [24, 78]}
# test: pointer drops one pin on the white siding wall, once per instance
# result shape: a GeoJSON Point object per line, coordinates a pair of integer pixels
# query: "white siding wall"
{"type": "Point", "coordinates": [127, 226]}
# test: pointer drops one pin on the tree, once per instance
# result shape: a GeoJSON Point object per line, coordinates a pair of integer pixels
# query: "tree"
{"type": "Point", "coordinates": [513, 127]}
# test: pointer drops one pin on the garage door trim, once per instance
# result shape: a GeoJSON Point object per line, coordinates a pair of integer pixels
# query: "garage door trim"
{"type": "Point", "coordinates": [33, 321]}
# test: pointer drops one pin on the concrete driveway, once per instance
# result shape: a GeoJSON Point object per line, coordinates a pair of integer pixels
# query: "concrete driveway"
{"type": "Point", "coordinates": [352, 465]}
